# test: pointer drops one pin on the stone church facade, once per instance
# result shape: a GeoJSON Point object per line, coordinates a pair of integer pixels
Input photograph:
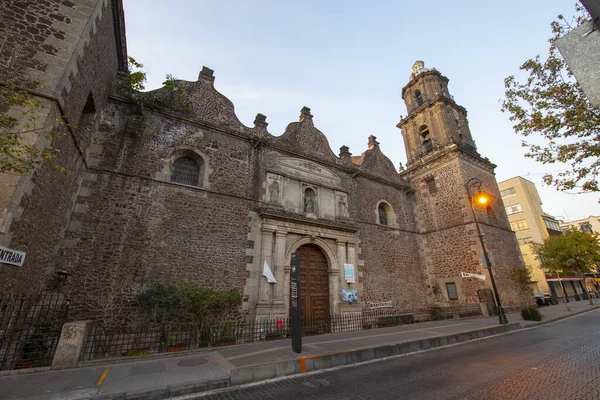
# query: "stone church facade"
{"type": "Point", "coordinates": [169, 186]}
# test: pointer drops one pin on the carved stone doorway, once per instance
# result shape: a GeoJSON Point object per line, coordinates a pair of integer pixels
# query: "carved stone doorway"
{"type": "Point", "coordinates": [314, 282]}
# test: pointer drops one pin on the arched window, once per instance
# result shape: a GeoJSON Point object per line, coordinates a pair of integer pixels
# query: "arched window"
{"type": "Point", "coordinates": [185, 170]}
{"type": "Point", "coordinates": [383, 218]}
{"type": "Point", "coordinates": [427, 144]}
{"type": "Point", "coordinates": [418, 98]}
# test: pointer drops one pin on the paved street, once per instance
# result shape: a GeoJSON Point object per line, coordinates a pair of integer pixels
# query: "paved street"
{"type": "Point", "coordinates": [556, 361]}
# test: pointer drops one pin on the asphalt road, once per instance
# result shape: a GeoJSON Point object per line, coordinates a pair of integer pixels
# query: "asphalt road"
{"type": "Point", "coordinates": [555, 361]}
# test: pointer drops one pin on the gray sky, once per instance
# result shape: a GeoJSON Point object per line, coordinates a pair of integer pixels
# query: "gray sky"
{"type": "Point", "coordinates": [348, 62]}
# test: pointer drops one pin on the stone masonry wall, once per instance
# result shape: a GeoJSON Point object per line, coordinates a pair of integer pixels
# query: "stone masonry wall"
{"type": "Point", "coordinates": [136, 227]}
{"type": "Point", "coordinates": [390, 259]}
{"type": "Point", "coordinates": [450, 240]}
{"type": "Point", "coordinates": [70, 48]}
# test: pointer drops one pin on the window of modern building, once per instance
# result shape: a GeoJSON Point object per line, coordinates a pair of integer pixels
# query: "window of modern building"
{"type": "Point", "coordinates": [383, 219]}
{"type": "Point", "coordinates": [185, 170]}
{"type": "Point", "coordinates": [519, 225]}
{"type": "Point", "coordinates": [586, 227]}
{"type": "Point", "coordinates": [552, 225]}
{"type": "Point", "coordinates": [507, 192]}
{"type": "Point", "coordinates": [525, 240]}
{"type": "Point", "coordinates": [515, 208]}
{"type": "Point", "coordinates": [452, 291]}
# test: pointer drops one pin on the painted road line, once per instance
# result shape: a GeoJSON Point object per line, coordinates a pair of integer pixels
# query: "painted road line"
{"type": "Point", "coordinates": [102, 377]}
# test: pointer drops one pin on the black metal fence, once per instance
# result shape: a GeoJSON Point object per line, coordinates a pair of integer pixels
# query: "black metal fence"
{"type": "Point", "coordinates": [152, 339]}
{"type": "Point", "coordinates": [30, 328]}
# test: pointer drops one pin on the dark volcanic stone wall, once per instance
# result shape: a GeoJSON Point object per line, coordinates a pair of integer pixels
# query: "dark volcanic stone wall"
{"type": "Point", "coordinates": [69, 47]}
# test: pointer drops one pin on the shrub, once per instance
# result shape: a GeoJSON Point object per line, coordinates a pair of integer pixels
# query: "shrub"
{"type": "Point", "coordinates": [531, 313]}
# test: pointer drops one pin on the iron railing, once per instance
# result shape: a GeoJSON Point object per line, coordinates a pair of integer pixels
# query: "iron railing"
{"type": "Point", "coordinates": [153, 338]}
{"type": "Point", "coordinates": [30, 327]}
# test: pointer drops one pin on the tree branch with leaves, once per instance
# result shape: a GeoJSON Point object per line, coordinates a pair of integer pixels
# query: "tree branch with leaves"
{"type": "Point", "coordinates": [550, 104]}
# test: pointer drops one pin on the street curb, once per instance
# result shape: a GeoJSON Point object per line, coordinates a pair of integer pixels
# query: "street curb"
{"type": "Point", "coordinates": [168, 392]}
{"type": "Point", "coordinates": [551, 320]}
{"type": "Point", "coordinates": [259, 372]}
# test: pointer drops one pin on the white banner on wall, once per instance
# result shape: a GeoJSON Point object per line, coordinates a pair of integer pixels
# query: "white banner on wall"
{"type": "Point", "coordinates": [349, 273]}
{"type": "Point", "coordinates": [267, 273]}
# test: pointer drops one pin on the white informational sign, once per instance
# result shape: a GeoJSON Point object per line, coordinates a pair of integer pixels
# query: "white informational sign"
{"type": "Point", "coordinates": [349, 273]}
{"type": "Point", "coordinates": [381, 304]}
{"type": "Point", "coordinates": [13, 257]}
{"type": "Point", "coordinates": [267, 273]}
{"type": "Point", "coordinates": [469, 275]}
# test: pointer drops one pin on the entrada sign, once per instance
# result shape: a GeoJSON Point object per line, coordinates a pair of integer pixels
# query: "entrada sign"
{"type": "Point", "coordinates": [13, 257]}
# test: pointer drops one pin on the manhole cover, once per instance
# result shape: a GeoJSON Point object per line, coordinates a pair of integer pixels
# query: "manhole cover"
{"type": "Point", "coordinates": [316, 383]}
{"type": "Point", "coordinates": [192, 362]}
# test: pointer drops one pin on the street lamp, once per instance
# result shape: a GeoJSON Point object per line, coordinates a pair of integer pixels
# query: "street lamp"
{"type": "Point", "coordinates": [482, 199]}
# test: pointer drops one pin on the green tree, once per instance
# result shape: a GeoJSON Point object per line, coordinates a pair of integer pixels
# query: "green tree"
{"type": "Point", "coordinates": [207, 305]}
{"type": "Point", "coordinates": [550, 104]}
{"type": "Point", "coordinates": [575, 251]}
{"type": "Point", "coordinates": [160, 300]}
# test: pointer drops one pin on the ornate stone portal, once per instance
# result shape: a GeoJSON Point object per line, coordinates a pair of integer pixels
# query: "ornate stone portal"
{"type": "Point", "coordinates": [302, 201]}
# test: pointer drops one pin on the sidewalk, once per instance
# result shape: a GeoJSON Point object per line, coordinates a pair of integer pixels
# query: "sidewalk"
{"type": "Point", "coordinates": [156, 377]}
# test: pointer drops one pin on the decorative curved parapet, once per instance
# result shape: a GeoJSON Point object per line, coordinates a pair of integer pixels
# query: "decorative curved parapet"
{"type": "Point", "coordinates": [198, 100]}
{"type": "Point", "coordinates": [374, 162]}
{"type": "Point", "coordinates": [303, 138]}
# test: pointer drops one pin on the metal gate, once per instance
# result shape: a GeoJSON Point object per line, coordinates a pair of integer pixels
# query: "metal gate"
{"type": "Point", "coordinates": [30, 328]}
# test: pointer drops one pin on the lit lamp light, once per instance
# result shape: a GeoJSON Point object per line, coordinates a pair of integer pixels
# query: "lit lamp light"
{"type": "Point", "coordinates": [483, 199]}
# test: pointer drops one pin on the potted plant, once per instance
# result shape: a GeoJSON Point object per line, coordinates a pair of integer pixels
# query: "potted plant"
{"type": "Point", "coordinates": [136, 352]}
{"type": "Point", "coordinates": [177, 347]}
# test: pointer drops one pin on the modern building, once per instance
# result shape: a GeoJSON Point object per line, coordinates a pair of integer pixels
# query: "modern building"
{"type": "Point", "coordinates": [169, 186]}
{"type": "Point", "coordinates": [532, 225]}
{"type": "Point", "coordinates": [590, 225]}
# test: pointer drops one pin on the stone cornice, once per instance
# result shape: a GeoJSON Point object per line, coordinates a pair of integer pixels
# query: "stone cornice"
{"type": "Point", "coordinates": [454, 150]}
{"type": "Point", "coordinates": [422, 75]}
{"type": "Point", "coordinates": [429, 104]}
{"type": "Point", "coordinates": [339, 225]}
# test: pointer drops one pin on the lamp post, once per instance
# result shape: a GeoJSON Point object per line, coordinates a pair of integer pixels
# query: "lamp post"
{"type": "Point", "coordinates": [483, 199]}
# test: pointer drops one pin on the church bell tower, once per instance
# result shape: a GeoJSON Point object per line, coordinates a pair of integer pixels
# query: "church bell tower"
{"type": "Point", "coordinates": [442, 160]}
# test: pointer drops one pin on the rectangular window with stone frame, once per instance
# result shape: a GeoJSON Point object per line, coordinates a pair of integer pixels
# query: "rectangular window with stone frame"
{"type": "Point", "coordinates": [452, 291]}
{"type": "Point", "coordinates": [431, 185]}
